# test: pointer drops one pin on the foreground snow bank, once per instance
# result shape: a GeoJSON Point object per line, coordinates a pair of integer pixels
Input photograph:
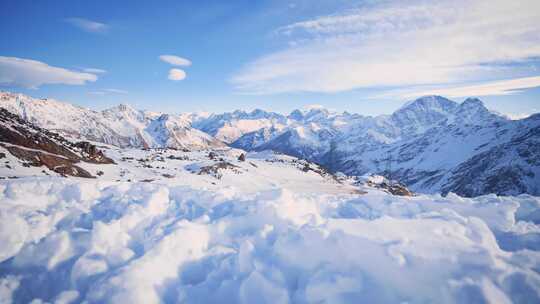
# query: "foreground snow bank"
{"type": "Point", "coordinates": [70, 241]}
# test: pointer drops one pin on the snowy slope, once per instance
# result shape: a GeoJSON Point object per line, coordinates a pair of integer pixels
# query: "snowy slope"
{"type": "Point", "coordinates": [122, 125]}
{"type": "Point", "coordinates": [430, 143]}
{"type": "Point", "coordinates": [176, 132]}
{"type": "Point", "coordinates": [439, 158]}
{"type": "Point", "coordinates": [269, 234]}
{"type": "Point", "coordinates": [23, 145]}
{"type": "Point", "coordinates": [229, 127]}
{"type": "Point", "coordinates": [208, 226]}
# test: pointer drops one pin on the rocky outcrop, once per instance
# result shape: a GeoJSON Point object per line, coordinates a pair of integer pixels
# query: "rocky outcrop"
{"type": "Point", "coordinates": [242, 157]}
{"type": "Point", "coordinates": [395, 189]}
{"type": "Point", "coordinates": [36, 146]}
{"type": "Point", "coordinates": [58, 164]}
{"type": "Point", "coordinates": [92, 154]}
{"type": "Point", "coordinates": [215, 169]}
{"type": "Point", "coordinates": [379, 182]}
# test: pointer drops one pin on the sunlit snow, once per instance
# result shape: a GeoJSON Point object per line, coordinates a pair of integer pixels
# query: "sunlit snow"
{"type": "Point", "coordinates": [269, 234]}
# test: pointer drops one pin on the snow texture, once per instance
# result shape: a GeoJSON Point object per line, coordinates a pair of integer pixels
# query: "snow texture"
{"type": "Point", "coordinates": [73, 241]}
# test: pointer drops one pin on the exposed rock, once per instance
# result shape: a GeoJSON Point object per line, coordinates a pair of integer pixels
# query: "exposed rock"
{"type": "Point", "coordinates": [178, 157]}
{"type": "Point", "coordinates": [214, 170]}
{"type": "Point", "coordinates": [396, 189]}
{"type": "Point", "coordinates": [61, 165]}
{"type": "Point", "coordinates": [242, 157]}
{"type": "Point", "coordinates": [39, 147]}
{"type": "Point", "coordinates": [92, 154]}
{"type": "Point", "coordinates": [380, 182]}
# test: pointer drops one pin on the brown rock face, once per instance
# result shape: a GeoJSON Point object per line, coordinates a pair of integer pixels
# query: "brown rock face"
{"type": "Point", "coordinates": [61, 165]}
{"type": "Point", "coordinates": [398, 189]}
{"type": "Point", "coordinates": [392, 188]}
{"type": "Point", "coordinates": [92, 154]}
{"type": "Point", "coordinates": [242, 157]}
{"type": "Point", "coordinates": [40, 147]}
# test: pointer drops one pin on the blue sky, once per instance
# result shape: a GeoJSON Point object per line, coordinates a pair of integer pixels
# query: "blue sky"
{"type": "Point", "coordinates": [361, 56]}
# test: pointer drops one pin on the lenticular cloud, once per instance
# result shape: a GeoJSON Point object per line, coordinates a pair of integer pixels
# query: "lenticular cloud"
{"type": "Point", "coordinates": [175, 60]}
{"type": "Point", "coordinates": [177, 74]}
{"type": "Point", "coordinates": [32, 74]}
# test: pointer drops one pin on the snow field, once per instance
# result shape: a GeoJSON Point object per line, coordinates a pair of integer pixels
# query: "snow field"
{"type": "Point", "coordinates": [68, 241]}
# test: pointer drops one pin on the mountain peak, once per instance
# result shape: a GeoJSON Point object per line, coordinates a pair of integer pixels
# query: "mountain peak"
{"type": "Point", "coordinates": [425, 105]}
{"type": "Point", "coordinates": [121, 109]}
{"type": "Point", "coordinates": [296, 115]}
{"type": "Point", "coordinates": [163, 117]}
{"type": "Point", "coordinates": [241, 114]}
{"type": "Point", "coordinates": [259, 113]}
{"type": "Point", "coordinates": [474, 111]}
{"type": "Point", "coordinates": [422, 113]}
{"type": "Point", "coordinates": [473, 102]}
{"type": "Point", "coordinates": [124, 107]}
{"type": "Point", "coordinates": [430, 102]}
{"type": "Point", "coordinates": [238, 112]}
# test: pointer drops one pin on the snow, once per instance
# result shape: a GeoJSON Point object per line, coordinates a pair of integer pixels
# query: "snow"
{"type": "Point", "coordinates": [122, 125]}
{"type": "Point", "coordinates": [156, 227]}
{"type": "Point", "coordinates": [272, 234]}
{"type": "Point", "coordinates": [229, 127]}
{"type": "Point", "coordinates": [8, 284]}
{"type": "Point", "coordinates": [432, 141]}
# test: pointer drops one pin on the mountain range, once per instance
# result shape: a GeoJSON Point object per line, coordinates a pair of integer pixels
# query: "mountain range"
{"type": "Point", "coordinates": [431, 144]}
{"type": "Point", "coordinates": [122, 125]}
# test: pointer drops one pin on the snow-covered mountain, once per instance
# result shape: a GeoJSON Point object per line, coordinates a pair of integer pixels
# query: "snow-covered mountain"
{"type": "Point", "coordinates": [432, 149]}
{"type": "Point", "coordinates": [229, 127]}
{"type": "Point", "coordinates": [222, 225]}
{"type": "Point", "coordinates": [24, 145]}
{"type": "Point", "coordinates": [121, 126]}
{"type": "Point", "coordinates": [431, 144]}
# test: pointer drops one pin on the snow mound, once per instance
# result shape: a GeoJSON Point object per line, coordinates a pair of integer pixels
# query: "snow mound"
{"type": "Point", "coordinates": [113, 242]}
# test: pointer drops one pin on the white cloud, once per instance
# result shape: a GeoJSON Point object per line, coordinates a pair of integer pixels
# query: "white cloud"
{"type": "Point", "coordinates": [175, 60]}
{"type": "Point", "coordinates": [107, 91]}
{"type": "Point", "coordinates": [117, 91]}
{"type": "Point", "coordinates": [501, 87]}
{"type": "Point", "coordinates": [177, 74]}
{"type": "Point", "coordinates": [88, 25]}
{"type": "Point", "coordinates": [32, 74]}
{"type": "Point", "coordinates": [94, 71]}
{"type": "Point", "coordinates": [399, 44]}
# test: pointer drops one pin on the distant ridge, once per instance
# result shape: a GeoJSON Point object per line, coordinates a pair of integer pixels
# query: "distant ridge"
{"type": "Point", "coordinates": [431, 144]}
